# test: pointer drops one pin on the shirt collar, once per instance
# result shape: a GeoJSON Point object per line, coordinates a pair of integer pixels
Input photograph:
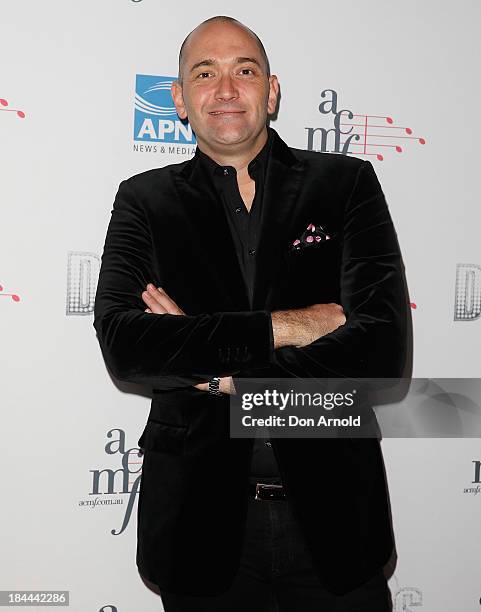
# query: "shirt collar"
{"type": "Point", "coordinates": [259, 161]}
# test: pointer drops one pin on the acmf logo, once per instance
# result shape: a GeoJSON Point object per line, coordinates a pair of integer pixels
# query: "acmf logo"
{"type": "Point", "coordinates": [156, 119]}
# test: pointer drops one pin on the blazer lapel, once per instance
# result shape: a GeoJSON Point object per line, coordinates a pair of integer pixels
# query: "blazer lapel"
{"type": "Point", "coordinates": [207, 216]}
{"type": "Point", "coordinates": [205, 211]}
{"type": "Point", "coordinates": [284, 175]}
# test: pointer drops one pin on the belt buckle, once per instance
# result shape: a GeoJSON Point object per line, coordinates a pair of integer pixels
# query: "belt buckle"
{"type": "Point", "coordinates": [261, 486]}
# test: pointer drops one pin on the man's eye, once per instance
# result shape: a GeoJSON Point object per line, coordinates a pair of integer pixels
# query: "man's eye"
{"type": "Point", "coordinates": [203, 74]}
{"type": "Point", "coordinates": [245, 70]}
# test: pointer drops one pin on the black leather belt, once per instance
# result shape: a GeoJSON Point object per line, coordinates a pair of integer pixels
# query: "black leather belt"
{"type": "Point", "coordinates": [265, 491]}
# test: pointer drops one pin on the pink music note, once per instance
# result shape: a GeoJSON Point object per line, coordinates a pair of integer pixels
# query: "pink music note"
{"type": "Point", "coordinates": [18, 112]}
{"type": "Point", "coordinates": [367, 137]}
{"type": "Point", "coordinates": [14, 296]}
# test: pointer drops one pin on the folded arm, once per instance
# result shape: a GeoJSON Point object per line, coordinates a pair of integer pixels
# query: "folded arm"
{"type": "Point", "coordinates": [165, 350]}
{"type": "Point", "coordinates": [372, 342]}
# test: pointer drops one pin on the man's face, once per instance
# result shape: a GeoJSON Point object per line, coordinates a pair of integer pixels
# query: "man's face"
{"type": "Point", "coordinates": [225, 93]}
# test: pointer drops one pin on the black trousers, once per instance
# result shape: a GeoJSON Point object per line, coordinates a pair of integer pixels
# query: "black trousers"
{"type": "Point", "coordinates": [276, 574]}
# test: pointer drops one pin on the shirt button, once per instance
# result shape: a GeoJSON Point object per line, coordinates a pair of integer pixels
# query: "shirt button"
{"type": "Point", "coordinates": [226, 171]}
{"type": "Point", "coordinates": [269, 444]}
{"type": "Point", "coordinates": [252, 251]}
{"type": "Point", "coordinates": [238, 209]}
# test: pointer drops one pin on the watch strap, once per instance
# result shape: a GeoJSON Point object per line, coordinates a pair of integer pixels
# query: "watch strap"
{"type": "Point", "coordinates": [214, 383]}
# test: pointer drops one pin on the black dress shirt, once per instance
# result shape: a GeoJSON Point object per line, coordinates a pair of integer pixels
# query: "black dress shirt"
{"type": "Point", "coordinates": [244, 226]}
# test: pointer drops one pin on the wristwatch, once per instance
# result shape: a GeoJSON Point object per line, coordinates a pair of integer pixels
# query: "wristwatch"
{"type": "Point", "coordinates": [214, 385]}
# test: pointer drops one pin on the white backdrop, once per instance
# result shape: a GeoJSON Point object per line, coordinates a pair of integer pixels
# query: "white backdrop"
{"type": "Point", "coordinates": [70, 68]}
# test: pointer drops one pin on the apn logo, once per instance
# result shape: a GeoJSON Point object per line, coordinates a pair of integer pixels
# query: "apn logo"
{"type": "Point", "coordinates": [156, 119]}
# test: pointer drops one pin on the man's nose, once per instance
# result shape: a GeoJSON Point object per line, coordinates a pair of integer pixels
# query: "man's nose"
{"type": "Point", "coordinates": [226, 88]}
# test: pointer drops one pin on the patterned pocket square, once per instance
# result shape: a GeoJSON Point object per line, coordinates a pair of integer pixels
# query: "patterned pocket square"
{"type": "Point", "coordinates": [312, 236]}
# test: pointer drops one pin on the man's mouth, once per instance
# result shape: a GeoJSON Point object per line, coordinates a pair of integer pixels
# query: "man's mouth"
{"type": "Point", "coordinates": [226, 112]}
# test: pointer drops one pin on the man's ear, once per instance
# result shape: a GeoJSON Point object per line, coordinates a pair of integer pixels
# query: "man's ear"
{"type": "Point", "coordinates": [273, 94]}
{"type": "Point", "coordinates": [178, 98]}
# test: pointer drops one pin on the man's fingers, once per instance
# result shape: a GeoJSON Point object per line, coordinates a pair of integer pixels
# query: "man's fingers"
{"type": "Point", "coordinates": [163, 299]}
{"type": "Point", "coordinates": [153, 304]}
{"type": "Point", "coordinates": [161, 296]}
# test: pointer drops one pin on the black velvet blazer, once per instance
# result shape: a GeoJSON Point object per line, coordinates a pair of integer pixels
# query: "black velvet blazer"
{"type": "Point", "coordinates": [170, 229]}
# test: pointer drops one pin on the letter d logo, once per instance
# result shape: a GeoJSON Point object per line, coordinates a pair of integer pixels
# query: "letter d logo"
{"type": "Point", "coordinates": [467, 299]}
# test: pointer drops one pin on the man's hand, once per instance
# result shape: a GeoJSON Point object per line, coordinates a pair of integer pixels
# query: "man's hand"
{"type": "Point", "coordinates": [158, 302]}
{"type": "Point", "coordinates": [302, 326]}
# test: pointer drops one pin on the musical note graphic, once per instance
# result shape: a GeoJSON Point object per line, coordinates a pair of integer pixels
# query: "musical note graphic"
{"type": "Point", "coordinates": [366, 136]}
{"type": "Point", "coordinates": [14, 296]}
{"type": "Point", "coordinates": [4, 103]}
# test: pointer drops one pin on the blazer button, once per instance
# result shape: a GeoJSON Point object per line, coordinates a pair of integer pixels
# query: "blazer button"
{"type": "Point", "coordinates": [252, 251]}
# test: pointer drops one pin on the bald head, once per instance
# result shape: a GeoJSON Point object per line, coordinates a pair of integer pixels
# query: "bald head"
{"type": "Point", "coordinates": [225, 90]}
{"type": "Point", "coordinates": [221, 19]}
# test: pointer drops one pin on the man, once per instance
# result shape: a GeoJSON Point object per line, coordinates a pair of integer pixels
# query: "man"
{"type": "Point", "coordinates": [203, 280]}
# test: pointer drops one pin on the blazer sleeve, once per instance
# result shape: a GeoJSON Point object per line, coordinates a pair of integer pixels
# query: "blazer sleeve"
{"type": "Point", "coordinates": [164, 350]}
{"type": "Point", "coordinates": [372, 342]}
